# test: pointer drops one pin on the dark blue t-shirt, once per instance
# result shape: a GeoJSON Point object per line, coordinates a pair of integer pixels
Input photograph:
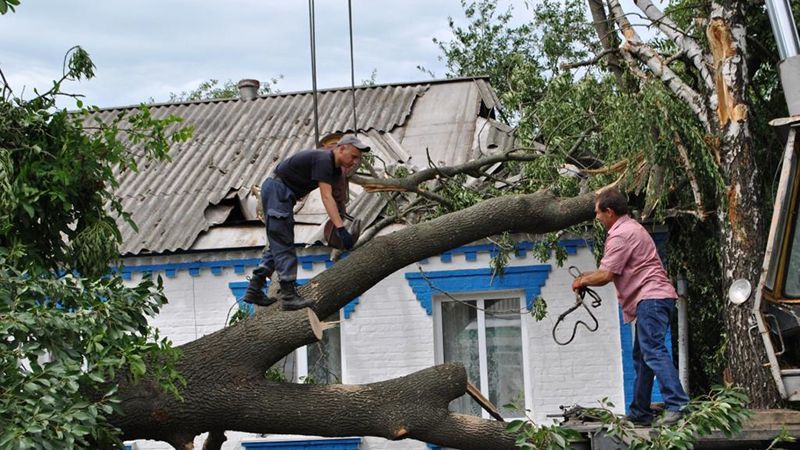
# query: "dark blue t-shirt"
{"type": "Point", "coordinates": [303, 171]}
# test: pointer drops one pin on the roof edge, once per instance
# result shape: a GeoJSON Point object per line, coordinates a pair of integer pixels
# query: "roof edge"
{"type": "Point", "coordinates": [287, 94]}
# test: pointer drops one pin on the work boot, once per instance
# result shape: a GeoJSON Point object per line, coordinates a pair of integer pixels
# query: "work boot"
{"type": "Point", "coordinates": [291, 299]}
{"type": "Point", "coordinates": [254, 293]}
{"type": "Point", "coordinates": [670, 418]}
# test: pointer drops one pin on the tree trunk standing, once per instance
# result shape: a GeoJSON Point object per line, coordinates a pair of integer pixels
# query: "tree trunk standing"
{"type": "Point", "coordinates": [740, 220]}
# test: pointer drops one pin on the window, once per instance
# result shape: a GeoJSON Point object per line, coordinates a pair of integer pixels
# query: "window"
{"type": "Point", "coordinates": [484, 332]}
{"type": "Point", "coordinates": [321, 362]}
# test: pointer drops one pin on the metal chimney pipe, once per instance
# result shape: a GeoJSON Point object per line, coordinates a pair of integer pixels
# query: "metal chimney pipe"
{"type": "Point", "coordinates": [785, 31]}
{"type": "Point", "coordinates": [248, 89]}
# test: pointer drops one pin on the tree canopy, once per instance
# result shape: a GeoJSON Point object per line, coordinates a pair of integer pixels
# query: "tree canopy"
{"type": "Point", "coordinates": [70, 327]}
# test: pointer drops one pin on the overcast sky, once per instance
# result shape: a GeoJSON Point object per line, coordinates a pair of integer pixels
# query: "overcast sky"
{"type": "Point", "coordinates": [148, 48]}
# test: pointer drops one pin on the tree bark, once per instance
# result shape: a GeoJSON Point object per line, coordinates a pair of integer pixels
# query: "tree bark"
{"type": "Point", "coordinates": [740, 222]}
{"type": "Point", "coordinates": [226, 388]}
{"type": "Point", "coordinates": [607, 38]}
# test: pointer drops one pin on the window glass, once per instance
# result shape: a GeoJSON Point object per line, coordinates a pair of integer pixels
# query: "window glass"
{"type": "Point", "coordinates": [325, 358]}
{"type": "Point", "coordinates": [486, 336]}
{"type": "Point", "coordinates": [460, 344]}
{"type": "Point", "coordinates": [504, 354]}
{"type": "Point", "coordinates": [792, 285]}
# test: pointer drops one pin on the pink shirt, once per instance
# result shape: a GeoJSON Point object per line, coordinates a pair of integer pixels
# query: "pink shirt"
{"type": "Point", "coordinates": [630, 254]}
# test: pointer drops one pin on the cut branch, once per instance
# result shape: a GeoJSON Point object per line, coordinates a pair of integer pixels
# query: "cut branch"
{"type": "Point", "coordinates": [687, 164]}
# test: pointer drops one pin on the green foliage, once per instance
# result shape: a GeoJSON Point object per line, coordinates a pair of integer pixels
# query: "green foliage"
{"type": "Point", "coordinates": [539, 310]}
{"type": "Point", "coordinates": [8, 5]}
{"type": "Point", "coordinates": [504, 248]}
{"type": "Point", "coordinates": [723, 410]}
{"type": "Point", "coordinates": [544, 437]}
{"type": "Point", "coordinates": [276, 374]}
{"type": "Point", "coordinates": [590, 119]}
{"type": "Point", "coordinates": [783, 436]}
{"type": "Point", "coordinates": [213, 89]}
{"type": "Point", "coordinates": [72, 329]}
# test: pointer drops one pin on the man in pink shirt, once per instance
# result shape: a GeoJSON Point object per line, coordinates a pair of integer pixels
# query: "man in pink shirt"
{"type": "Point", "coordinates": [645, 294]}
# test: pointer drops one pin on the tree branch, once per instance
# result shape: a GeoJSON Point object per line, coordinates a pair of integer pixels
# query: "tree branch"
{"type": "Point", "coordinates": [604, 33]}
{"type": "Point", "coordinates": [687, 164]}
{"type": "Point", "coordinates": [685, 42]}
{"type": "Point", "coordinates": [590, 62]}
{"type": "Point", "coordinates": [656, 64]}
{"type": "Point", "coordinates": [411, 182]}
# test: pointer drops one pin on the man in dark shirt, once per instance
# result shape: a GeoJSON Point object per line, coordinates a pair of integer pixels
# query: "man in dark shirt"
{"type": "Point", "coordinates": [293, 179]}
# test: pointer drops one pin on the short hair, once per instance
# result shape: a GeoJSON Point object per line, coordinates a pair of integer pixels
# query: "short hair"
{"type": "Point", "coordinates": [613, 199]}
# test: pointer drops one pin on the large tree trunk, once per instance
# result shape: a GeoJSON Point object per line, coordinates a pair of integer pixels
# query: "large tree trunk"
{"type": "Point", "coordinates": [740, 221]}
{"type": "Point", "coordinates": [226, 388]}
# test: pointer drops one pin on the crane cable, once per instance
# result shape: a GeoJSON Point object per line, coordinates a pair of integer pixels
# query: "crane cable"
{"type": "Point", "coordinates": [352, 66]}
{"type": "Point", "coordinates": [313, 39]}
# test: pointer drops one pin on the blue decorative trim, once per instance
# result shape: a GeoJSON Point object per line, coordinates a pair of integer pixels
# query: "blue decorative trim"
{"type": "Point", "coordinates": [215, 267]}
{"type": "Point", "coordinates": [521, 249]}
{"type": "Point", "coordinates": [317, 444]}
{"type": "Point", "coordinates": [238, 287]}
{"type": "Point", "coordinates": [307, 262]}
{"type": "Point", "coordinates": [529, 278]}
{"type": "Point", "coordinates": [433, 447]}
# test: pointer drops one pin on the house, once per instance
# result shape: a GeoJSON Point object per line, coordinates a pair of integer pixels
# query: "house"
{"type": "Point", "coordinates": [198, 230]}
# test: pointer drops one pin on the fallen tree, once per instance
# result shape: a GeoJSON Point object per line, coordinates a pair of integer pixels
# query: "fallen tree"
{"type": "Point", "coordinates": [225, 384]}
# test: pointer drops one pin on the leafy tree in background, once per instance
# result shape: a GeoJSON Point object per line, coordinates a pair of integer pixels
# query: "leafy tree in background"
{"type": "Point", "coordinates": [640, 102]}
{"type": "Point", "coordinates": [70, 329]}
{"type": "Point", "coordinates": [212, 89]}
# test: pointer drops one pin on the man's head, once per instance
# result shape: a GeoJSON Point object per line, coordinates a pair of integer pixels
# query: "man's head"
{"type": "Point", "coordinates": [348, 150]}
{"type": "Point", "coordinates": [609, 206]}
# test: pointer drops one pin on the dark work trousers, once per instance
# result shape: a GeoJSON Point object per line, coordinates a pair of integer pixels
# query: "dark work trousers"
{"type": "Point", "coordinates": [651, 359]}
{"type": "Point", "coordinates": [278, 203]}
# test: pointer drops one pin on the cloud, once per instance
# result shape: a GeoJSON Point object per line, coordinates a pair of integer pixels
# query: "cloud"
{"type": "Point", "coordinates": [149, 48]}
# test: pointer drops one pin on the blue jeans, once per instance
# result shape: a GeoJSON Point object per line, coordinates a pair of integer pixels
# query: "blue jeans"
{"type": "Point", "coordinates": [652, 359]}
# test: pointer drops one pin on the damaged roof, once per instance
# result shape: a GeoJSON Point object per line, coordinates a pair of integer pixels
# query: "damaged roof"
{"type": "Point", "coordinates": [201, 199]}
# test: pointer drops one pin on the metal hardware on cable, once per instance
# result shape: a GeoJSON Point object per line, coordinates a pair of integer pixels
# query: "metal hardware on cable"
{"type": "Point", "coordinates": [352, 66]}
{"type": "Point", "coordinates": [313, 39]}
{"type": "Point", "coordinates": [579, 296]}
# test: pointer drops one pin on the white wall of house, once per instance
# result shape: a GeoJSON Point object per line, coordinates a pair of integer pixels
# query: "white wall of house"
{"type": "Point", "coordinates": [390, 333]}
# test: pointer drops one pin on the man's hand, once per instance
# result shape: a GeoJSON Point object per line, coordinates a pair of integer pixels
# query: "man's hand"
{"type": "Point", "coordinates": [576, 283]}
{"type": "Point", "coordinates": [346, 237]}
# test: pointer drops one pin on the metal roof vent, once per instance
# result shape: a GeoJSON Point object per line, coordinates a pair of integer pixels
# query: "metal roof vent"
{"type": "Point", "coordinates": [248, 89]}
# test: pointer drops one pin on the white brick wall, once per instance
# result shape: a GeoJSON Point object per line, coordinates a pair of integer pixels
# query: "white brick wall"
{"type": "Point", "coordinates": [390, 334]}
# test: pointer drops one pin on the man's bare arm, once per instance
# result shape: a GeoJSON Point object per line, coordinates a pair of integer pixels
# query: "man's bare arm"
{"type": "Point", "coordinates": [326, 191]}
{"type": "Point", "coordinates": [596, 278]}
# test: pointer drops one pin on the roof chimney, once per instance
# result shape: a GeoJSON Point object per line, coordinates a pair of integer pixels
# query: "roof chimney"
{"type": "Point", "coordinates": [248, 89]}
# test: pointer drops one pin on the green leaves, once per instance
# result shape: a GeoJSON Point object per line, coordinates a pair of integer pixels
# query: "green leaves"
{"type": "Point", "coordinates": [8, 5]}
{"type": "Point", "coordinates": [542, 437]}
{"type": "Point", "coordinates": [71, 329]}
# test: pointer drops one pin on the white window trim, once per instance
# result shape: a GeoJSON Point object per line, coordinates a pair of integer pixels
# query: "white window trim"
{"type": "Point", "coordinates": [301, 356]}
{"type": "Point", "coordinates": [480, 296]}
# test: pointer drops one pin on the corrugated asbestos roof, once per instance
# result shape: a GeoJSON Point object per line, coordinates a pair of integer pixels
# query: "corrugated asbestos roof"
{"type": "Point", "coordinates": [237, 143]}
